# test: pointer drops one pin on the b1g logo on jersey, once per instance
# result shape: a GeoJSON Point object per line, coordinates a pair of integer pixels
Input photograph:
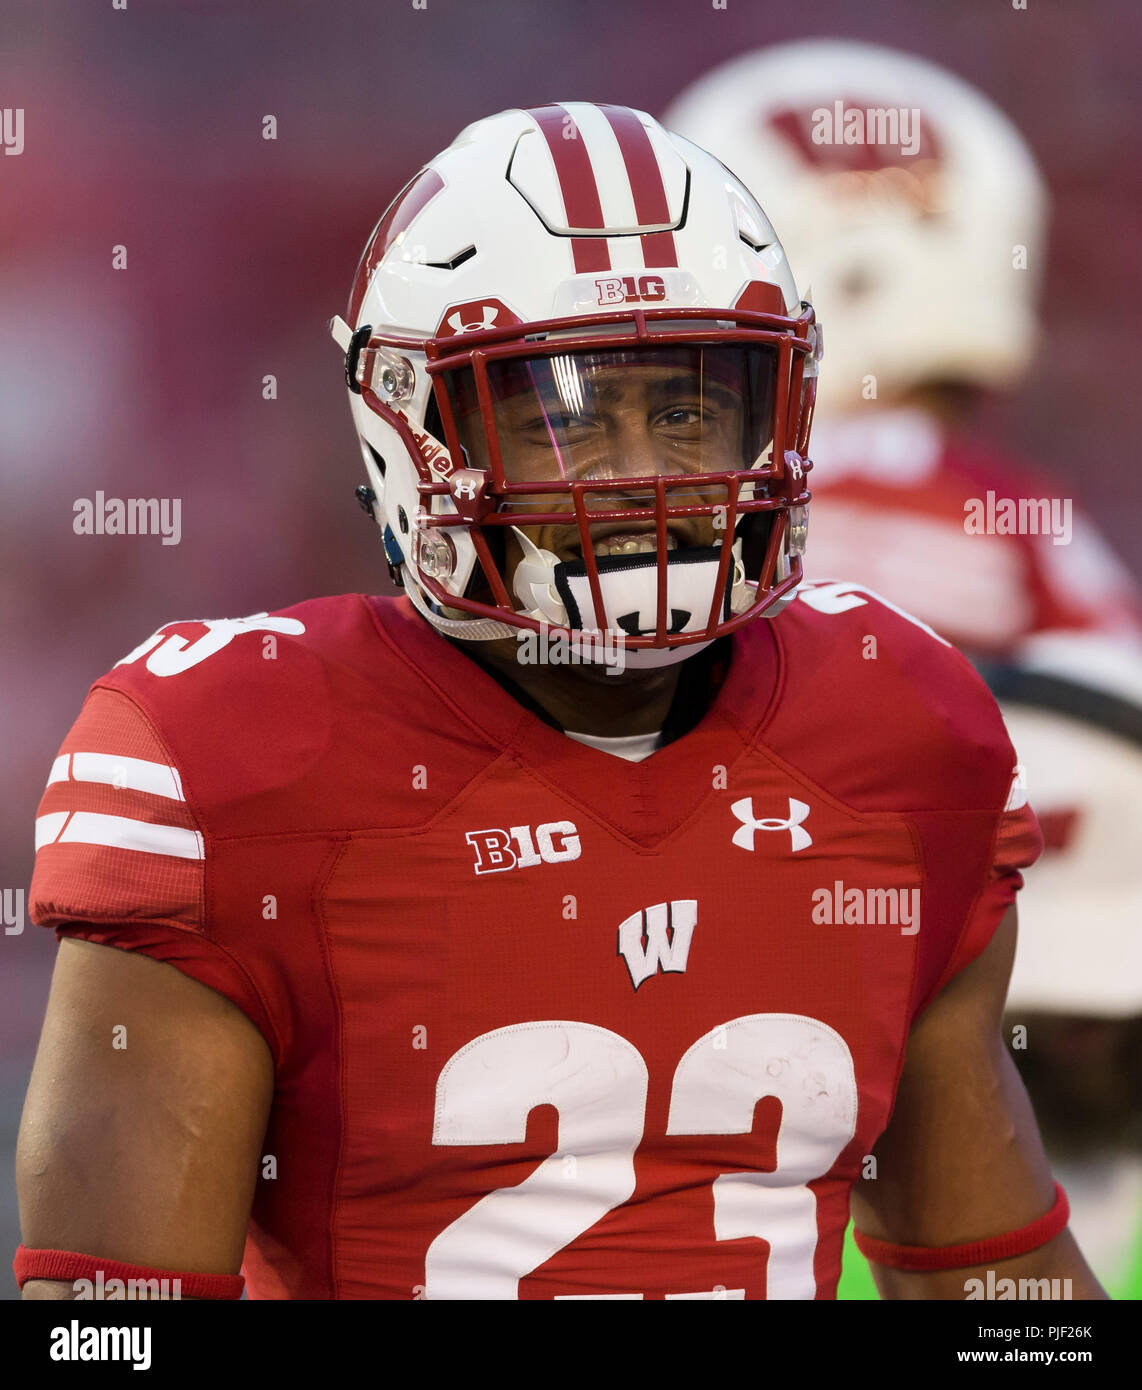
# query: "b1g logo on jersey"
{"type": "Point", "coordinates": [626, 289]}
{"type": "Point", "coordinates": [497, 851]}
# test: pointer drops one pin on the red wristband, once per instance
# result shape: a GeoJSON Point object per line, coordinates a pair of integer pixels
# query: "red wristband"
{"type": "Point", "coordinates": [66, 1266]}
{"type": "Point", "coordinates": [918, 1258]}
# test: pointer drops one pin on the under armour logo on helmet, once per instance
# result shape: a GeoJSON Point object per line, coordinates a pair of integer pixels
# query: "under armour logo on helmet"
{"type": "Point", "coordinates": [798, 811]}
{"type": "Point", "coordinates": [489, 314]}
{"type": "Point", "coordinates": [475, 315]}
{"type": "Point", "coordinates": [469, 489]}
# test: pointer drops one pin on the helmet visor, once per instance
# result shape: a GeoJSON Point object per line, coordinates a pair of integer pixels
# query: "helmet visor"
{"type": "Point", "coordinates": [611, 416]}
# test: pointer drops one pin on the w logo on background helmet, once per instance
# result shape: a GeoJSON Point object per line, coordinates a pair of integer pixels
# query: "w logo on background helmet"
{"type": "Point", "coordinates": [474, 316]}
{"type": "Point", "coordinates": [798, 811]}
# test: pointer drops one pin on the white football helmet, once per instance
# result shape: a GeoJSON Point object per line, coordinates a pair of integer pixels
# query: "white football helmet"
{"type": "Point", "coordinates": [553, 276]}
{"type": "Point", "coordinates": [909, 203]}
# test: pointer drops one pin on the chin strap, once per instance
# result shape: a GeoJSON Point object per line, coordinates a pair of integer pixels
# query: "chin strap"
{"type": "Point", "coordinates": [465, 629]}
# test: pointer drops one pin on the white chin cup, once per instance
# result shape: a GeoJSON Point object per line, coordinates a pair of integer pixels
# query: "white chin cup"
{"type": "Point", "coordinates": [558, 593]}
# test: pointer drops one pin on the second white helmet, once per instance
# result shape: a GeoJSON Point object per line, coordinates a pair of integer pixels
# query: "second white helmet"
{"type": "Point", "coordinates": [909, 203]}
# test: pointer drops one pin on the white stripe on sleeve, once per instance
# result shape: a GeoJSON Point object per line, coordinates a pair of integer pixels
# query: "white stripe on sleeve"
{"type": "Point", "coordinates": [129, 774]}
{"type": "Point", "coordinates": [120, 832]}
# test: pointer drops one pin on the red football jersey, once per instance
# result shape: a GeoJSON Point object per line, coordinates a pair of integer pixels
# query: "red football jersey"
{"type": "Point", "coordinates": [546, 1024]}
{"type": "Point", "coordinates": [933, 520]}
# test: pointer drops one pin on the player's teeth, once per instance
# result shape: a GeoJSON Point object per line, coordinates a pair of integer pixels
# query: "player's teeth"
{"type": "Point", "coordinates": [631, 545]}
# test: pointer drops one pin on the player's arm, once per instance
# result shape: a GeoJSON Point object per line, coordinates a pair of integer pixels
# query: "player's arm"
{"type": "Point", "coordinates": [144, 1120]}
{"type": "Point", "coordinates": [961, 1159]}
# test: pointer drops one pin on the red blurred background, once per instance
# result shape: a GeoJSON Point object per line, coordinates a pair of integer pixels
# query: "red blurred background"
{"type": "Point", "coordinates": [143, 129]}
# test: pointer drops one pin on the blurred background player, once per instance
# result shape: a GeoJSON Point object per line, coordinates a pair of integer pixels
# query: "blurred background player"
{"type": "Point", "coordinates": [1076, 989]}
{"type": "Point", "coordinates": [916, 213]}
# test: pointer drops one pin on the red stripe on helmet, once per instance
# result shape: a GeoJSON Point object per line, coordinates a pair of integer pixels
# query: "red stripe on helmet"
{"type": "Point", "coordinates": [412, 199]}
{"type": "Point", "coordinates": [576, 184]}
{"type": "Point", "coordinates": [646, 186]}
{"type": "Point", "coordinates": [590, 253]}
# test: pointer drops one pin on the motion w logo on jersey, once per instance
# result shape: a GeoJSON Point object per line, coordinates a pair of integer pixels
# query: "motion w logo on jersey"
{"type": "Point", "coordinates": [497, 851]}
{"type": "Point", "coordinates": [658, 938]}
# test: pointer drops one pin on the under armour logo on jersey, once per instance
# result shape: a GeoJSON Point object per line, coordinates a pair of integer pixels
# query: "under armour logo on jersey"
{"type": "Point", "coordinates": [798, 811]}
{"type": "Point", "coordinates": [658, 938]}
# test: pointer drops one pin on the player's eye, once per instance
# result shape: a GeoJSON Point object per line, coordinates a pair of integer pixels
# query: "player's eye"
{"type": "Point", "coordinates": [684, 417]}
{"type": "Point", "coordinates": [558, 422]}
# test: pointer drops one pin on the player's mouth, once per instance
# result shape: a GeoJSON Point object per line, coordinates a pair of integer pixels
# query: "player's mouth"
{"type": "Point", "coordinates": [625, 541]}
{"type": "Point", "coordinates": [635, 543]}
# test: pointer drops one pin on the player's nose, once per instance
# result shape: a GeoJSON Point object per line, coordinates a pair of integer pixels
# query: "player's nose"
{"type": "Point", "coordinates": [633, 452]}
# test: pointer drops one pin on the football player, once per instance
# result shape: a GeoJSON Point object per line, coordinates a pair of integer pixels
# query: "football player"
{"type": "Point", "coordinates": [1074, 1008]}
{"type": "Point", "coordinates": [571, 926]}
{"type": "Point", "coordinates": [917, 212]}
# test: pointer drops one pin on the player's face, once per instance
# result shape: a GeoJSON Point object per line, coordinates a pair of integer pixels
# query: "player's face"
{"type": "Point", "coordinates": [621, 416]}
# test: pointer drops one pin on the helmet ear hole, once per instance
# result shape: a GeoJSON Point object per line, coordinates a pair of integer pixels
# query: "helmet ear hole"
{"type": "Point", "coordinates": [377, 459]}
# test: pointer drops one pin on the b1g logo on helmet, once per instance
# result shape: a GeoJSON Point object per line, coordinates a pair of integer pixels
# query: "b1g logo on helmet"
{"type": "Point", "coordinates": [625, 289]}
{"type": "Point", "coordinates": [497, 851]}
{"type": "Point", "coordinates": [474, 316]}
